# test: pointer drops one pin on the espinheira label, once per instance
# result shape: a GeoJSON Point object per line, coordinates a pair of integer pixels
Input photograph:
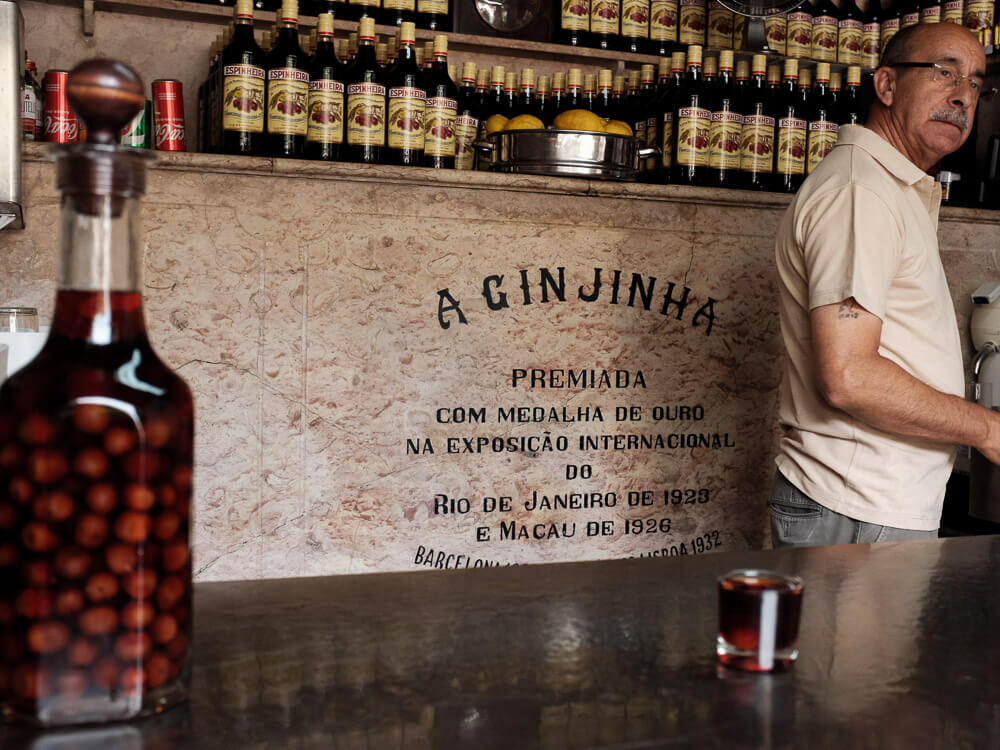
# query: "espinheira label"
{"type": "Point", "coordinates": [663, 20]}
{"type": "Point", "coordinates": [791, 156]}
{"type": "Point", "coordinates": [776, 33]}
{"type": "Point", "coordinates": [889, 29]}
{"type": "Point", "coordinates": [366, 114]}
{"type": "Point", "coordinates": [439, 7]}
{"type": "Point", "coordinates": [871, 33]}
{"type": "Point", "coordinates": [931, 14]}
{"type": "Point", "coordinates": [326, 112]}
{"type": "Point", "coordinates": [635, 18]}
{"type": "Point", "coordinates": [604, 16]}
{"type": "Point", "coordinates": [466, 129]}
{"type": "Point", "coordinates": [720, 25]}
{"type": "Point", "coordinates": [850, 41]}
{"type": "Point", "coordinates": [824, 38]}
{"type": "Point", "coordinates": [439, 126]}
{"type": "Point", "coordinates": [667, 142]}
{"type": "Point", "coordinates": [724, 140]}
{"type": "Point", "coordinates": [692, 21]}
{"type": "Point", "coordinates": [822, 138]}
{"type": "Point", "coordinates": [575, 15]}
{"type": "Point", "coordinates": [406, 117]}
{"type": "Point", "coordinates": [757, 141]}
{"type": "Point", "coordinates": [978, 15]}
{"type": "Point", "coordinates": [953, 12]}
{"type": "Point", "coordinates": [243, 98]}
{"type": "Point", "coordinates": [694, 127]}
{"type": "Point", "coordinates": [287, 100]}
{"type": "Point", "coordinates": [799, 35]}
{"type": "Point", "coordinates": [910, 19]}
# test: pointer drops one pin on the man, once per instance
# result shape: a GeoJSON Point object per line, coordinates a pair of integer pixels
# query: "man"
{"type": "Point", "coordinates": [872, 402]}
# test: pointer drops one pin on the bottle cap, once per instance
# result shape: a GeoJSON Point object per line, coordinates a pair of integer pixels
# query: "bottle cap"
{"type": "Point", "coordinates": [324, 25]}
{"type": "Point", "coordinates": [453, 72]}
{"type": "Point", "coordinates": [677, 62]}
{"type": "Point", "coordinates": [440, 45]}
{"type": "Point", "coordinates": [498, 75]}
{"type": "Point", "coordinates": [483, 78]}
{"type": "Point", "coordinates": [604, 78]}
{"type": "Point", "coordinates": [633, 79]}
{"type": "Point", "coordinates": [381, 52]}
{"type": "Point", "coordinates": [619, 87]}
{"type": "Point", "coordinates": [836, 81]}
{"type": "Point", "coordinates": [408, 33]}
{"type": "Point", "coordinates": [589, 83]}
{"type": "Point", "coordinates": [647, 74]}
{"type": "Point", "coordinates": [244, 9]}
{"type": "Point", "coordinates": [823, 72]}
{"type": "Point", "coordinates": [694, 55]}
{"type": "Point", "coordinates": [664, 67]}
{"type": "Point", "coordinates": [774, 73]}
{"type": "Point", "coordinates": [742, 70]}
{"type": "Point", "coordinates": [791, 68]}
{"type": "Point", "coordinates": [543, 85]}
{"type": "Point", "coordinates": [853, 75]}
{"type": "Point", "coordinates": [419, 54]}
{"type": "Point", "coordinates": [289, 11]}
{"type": "Point", "coordinates": [575, 77]}
{"type": "Point", "coordinates": [428, 52]}
{"type": "Point", "coordinates": [352, 42]}
{"type": "Point", "coordinates": [366, 29]}
{"type": "Point", "coordinates": [510, 82]}
{"type": "Point", "coordinates": [805, 78]}
{"type": "Point", "coordinates": [469, 72]}
{"type": "Point", "coordinates": [711, 66]}
{"type": "Point", "coordinates": [527, 78]}
{"type": "Point", "coordinates": [759, 65]}
{"type": "Point", "coordinates": [726, 60]}
{"type": "Point", "coordinates": [559, 82]}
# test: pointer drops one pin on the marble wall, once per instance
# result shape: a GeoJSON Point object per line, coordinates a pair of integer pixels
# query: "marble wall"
{"type": "Point", "coordinates": [301, 303]}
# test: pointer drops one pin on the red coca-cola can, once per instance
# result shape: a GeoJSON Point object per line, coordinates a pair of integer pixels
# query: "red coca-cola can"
{"type": "Point", "coordinates": [61, 125]}
{"type": "Point", "coordinates": [168, 116]}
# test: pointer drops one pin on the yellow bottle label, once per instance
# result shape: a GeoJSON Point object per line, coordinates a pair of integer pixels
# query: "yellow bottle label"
{"type": "Point", "coordinates": [798, 37]}
{"type": "Point", "coordinates": [366, 114]}
{"type": "Point", "coordinates": [326, 112]}
{"type": "Point", "coordinates": [663, 20]}
{"type": "Point", "coordinates": [440, 7]}
{"type": "Point", "coordinates": [575, 15]}
{"type": "Point", "coordinates": [635, 18]}
{"type": "Point", "coordinates": [694, 127]}
{"type": "Point", "coordinates": [824, 38]}
{"type": "Point", "coordinates": [931, 14]}
{"type": "Point", "coordinates": [739, 22]}
{"type": "Point", "coordinates": [953, 12]}
{"type": "Point", "coordinates": [287, 101]}
{"type": "Point", "coordinates": [604, 16]}
{"type": "Point", "coordinates": [650, 142]}
{"type": "Point", "coordinates": [398, 4]}
{"type": "Point", "coordinates": [910, 19]}
{"type": "Point", "coordinates": [791, 156]}
{"type": "Point", "coordinates": [406, 117]}
{"type": "Point", "coordinates": [757, 144]}
{"type": "Point", "coordinates": [850, 42]}
{"type": "Point", "coordinates": [243, 98]}
{"type": "Point", "coordinates": [439, 126]}
{"type": "Point", "coordinates": [720, 26]}
{"type": "Point", "coordinates": [724, 140]}
{"type": "Point", "coordinates": [822, 138]}
{"type": "Point", "coordinates": [889, 29]}
{"type": "Point", "coordinates": [667, 142]}
{"type": "Point", "coordinates": [978, 15]}
{"type": "Point", "coordinates": [776, 33]}
{"type": "Point", "coordinates": [466, 130]}
{"type": "Point", "coordinates": [692, 22]}
{"type": "Point", "coordinates": [365, 3]}
{"type": "Point", "coordinates": [871, 35]}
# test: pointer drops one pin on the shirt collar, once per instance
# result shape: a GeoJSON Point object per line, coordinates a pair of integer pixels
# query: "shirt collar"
{"type": "Point", "coordinates": [884, 152]}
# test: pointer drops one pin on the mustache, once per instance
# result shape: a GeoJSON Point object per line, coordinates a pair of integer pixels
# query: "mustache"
{"type": "Point", "coordinates": [956, 116]}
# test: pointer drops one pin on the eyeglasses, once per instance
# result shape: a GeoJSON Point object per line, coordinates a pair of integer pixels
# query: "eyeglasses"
{"type": "Point", "coordinates": [947, 77]}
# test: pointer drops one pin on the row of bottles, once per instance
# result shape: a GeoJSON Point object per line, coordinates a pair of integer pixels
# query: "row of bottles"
{"type": "Point", "coordinates": [817, 29]}
{"type": "Point", "coordinates": [426, 14]}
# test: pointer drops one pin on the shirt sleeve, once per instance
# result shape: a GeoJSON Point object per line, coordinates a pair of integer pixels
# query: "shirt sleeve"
{"type": "Point", "coordinates": [852, 247]}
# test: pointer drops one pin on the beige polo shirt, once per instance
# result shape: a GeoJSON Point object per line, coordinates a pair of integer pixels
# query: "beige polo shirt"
{"type": "Point", "coordinates": [864, 225]}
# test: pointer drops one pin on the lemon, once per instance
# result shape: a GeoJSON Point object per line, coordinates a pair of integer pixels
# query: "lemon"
{"type": "Point", "coordinates": [495, 124]}
{"type": "Point", "coordinates": [579, 119]}
{"type": "Point", "coordinates": [617, 126]}
{"type": "Point", "coordinates": [524, 122]}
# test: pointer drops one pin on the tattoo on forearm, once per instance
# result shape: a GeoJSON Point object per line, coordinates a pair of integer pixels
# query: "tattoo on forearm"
{"type": "Point", "coordinates": [847, 310]}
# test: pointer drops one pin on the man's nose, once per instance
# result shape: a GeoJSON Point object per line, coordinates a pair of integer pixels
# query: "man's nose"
{"type": "Point", "coordinates": [963, 95]}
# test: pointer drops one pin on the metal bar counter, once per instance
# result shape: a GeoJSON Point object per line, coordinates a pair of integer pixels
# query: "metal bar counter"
{"type": "Point", "coordinates": [898, 650]}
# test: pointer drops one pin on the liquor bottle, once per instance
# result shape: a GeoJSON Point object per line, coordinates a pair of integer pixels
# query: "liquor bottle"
{"type": "Point", "coordinates": [618, 93]}
{"type": "Point", "coordinates": [804, 88]}
{"type": "Point", "coordinates": [720, 25]}
{"type": "Point", "coordinates": [727, 126]}
{"type": "Point", "coordinates": [358, 9]}
{"type": "Point", "coordinates": [953, 12]}
{"type": "Point", "coordinates": [824, 31]}
{"type": "Point", "coordinates": [663, 20]}
{"type": "Point", "coordinates": [836, 83]}
{"type": "Point", "coordinates": [574, 22]}
{"type": "Point", "coordinates": [798, 40]}
{"type": "Point", "coordinates": [693, 121]}
{"type": "Point", "coordinates": [633, 110]}
{"type": "Point", "coordinates": [850, 34]}
{"type": "Point", "coordinates": [911, 14]}
{"type": "Point", "coordinates": [790, 151]}
{"type": "Point", "coordinates": [453, 73]}
{"type": "Point", "coordinates": [891, 22]}
{"type": "Point", "coordinates": [573, 99]}
{"type": "Point", "coordinates": [352, 46]}
{"type": "Point", "coordinates": [509, 94]}
{"type": "Point", "coordinates": [428, 57]}
{"type": "Point", "coordinates": [931, 11]}
{"type": "Point", "coordinates": [366, 104]}
{"type": "Point", "coordinates": [244, 83]}
{"type": "Point", "coordinates": [604, 23]}
{"type": "Point", "coordinates": [823, 120]}
{"type": "Point", "coordinates": [471, 105]}
{"type": "Point", "coordinates": [442, 110]}
{"type": "Point", "coordinates": [692, 22]}
{"type": "Point", "coordinates": [709, 70]}
{"type": "Point", "coordinates": [494, 101]}
{"type": "Point", "coordinates": [871, 36]}
{"type": "Point", "coordinates": [666, 105]}
{"type": "Point", "coordinates": [742, 77]}
{"type": "Point", "coordinates": [775, 33]}
{"type": "Point", "coordinates": [31, 103]}
{"type": "Point", "coordinates": [757, 140]}
{"type": "Point", "coordinates": [851, 105]}
{"type": "Point", "coordinates": [434, 15]}
{"type": "Point", "coordinates": [103, 430]}
{"type": "Point", "coordinates": [544, 96]}
{"type": "Point", "coordinates": [635, 25]}
{"type": "Point", "coordinates": [589, 101]}
{"type": "Point", "coordinates": [212, 116]}
{"type": "Point", "coordinates": [325, 132]}
{"type": "Point", "coordinates": [979, 15]}
{"type": "Point", "coordinates": [603, 105]}
{"type": "Point", "coordinates": [558, 93]}
{"type": "Point", "coordinates": [527, 102]}
{"type": "Point", "coordinates": [773, 78]}
{"type": "Point", "coordinates": [647, 100]}
{"type": "Point", "coordinates": [287, 87]}
{"type": "Point", "coordinates": [382, 55]}
{"type": "Point", "coordinates": [405, 103]}
{"type": "Point", "coordinates": [397, 12]}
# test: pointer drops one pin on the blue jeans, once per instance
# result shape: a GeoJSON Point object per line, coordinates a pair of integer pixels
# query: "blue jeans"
{"type": "Point", "coordinates": [799, 521]}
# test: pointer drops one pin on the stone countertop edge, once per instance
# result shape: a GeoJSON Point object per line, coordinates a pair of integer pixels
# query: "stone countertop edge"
{"type": "Point", "coordinates": [476, 180]}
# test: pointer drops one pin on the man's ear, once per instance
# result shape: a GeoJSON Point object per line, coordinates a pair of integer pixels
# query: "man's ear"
{"type": "Point", "coordinates": [885, 85]}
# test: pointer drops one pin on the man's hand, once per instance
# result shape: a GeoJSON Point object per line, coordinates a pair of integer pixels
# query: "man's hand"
{"type": "Point", "coordinates": [852, 376]}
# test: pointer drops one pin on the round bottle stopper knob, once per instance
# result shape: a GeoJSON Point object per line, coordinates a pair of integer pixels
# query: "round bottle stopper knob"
{"type": "Point", "coordinates": [106, 95]}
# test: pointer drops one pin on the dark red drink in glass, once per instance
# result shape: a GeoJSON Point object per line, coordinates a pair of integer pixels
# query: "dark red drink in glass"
{"type": "Point", "coordinates": [758, 620]}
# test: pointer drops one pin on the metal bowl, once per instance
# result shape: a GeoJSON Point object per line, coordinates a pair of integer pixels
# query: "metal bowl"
{"type": "Point", "coordinates": [565, 153]}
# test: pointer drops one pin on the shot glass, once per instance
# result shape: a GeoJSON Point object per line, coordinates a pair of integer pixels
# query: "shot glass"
{"type": "Point", "coordinates": [758, 620]}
